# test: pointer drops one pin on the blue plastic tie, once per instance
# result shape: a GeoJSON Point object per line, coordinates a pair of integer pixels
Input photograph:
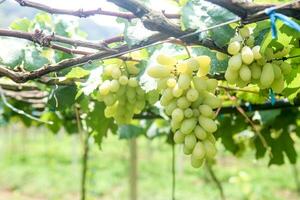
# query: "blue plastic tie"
{"type": "Point", "coordinates": [286, 20]}
{"type": "Point", "coordinates": [272, 97]}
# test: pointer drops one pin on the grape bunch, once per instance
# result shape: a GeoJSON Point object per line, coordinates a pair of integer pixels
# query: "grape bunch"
{"type": "Point", "coordinates": [248, 65]}
{"type": "Point", "coordinates": [121, 92]}
{"type": "Point", "coordinates": [187, 96]}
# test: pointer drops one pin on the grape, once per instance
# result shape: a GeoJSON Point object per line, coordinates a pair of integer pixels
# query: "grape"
{"type": "Point", "coordinates": [192, 95]}
{"type": "Point", "coordinates": [255, 71]}
{"type": "Point", "coordinates": [184, 81]}
{"type": "Point", "coordinates": [188, 125]}
{"type": "Point", "coordinates": [221, 56]}
{"type": "Point", "coordinates": [234, 48]}
{"type": "Point", "coordinates": [162, 83]}
{"type": "Point", "coordinates": [267, 75]}
{"type": "Point", "coordinates": [210, 149]}
{"type": "Point", "coordinates": [207, 124]}
{"type": "Point", "coordinates": [183, 68]}
{"type": "Point", "coordinates": [211, 85]}
{"type": "Point", "coordinates": [114, 85]}
{"type": "Point", "coordinates": [245, 73]}
{"type": "Point", "coordinates": [152, 96]}
{"type": "Point", "coordinates": [192, 64]}
{"type": "Point", "coordinates": [199, 83]}
{"type": "Point", "coordinates": [247, 55]}
{"type": "Point", "coordinates": [116, 73]}
{"type": "Point", "coordinates": [206, 111]}
{"type": "Point", "coordinates": [196, 163]}
{"type": "Point", "coordinates": [250, 41]}
{"type": "Point", "coordinates": [190, 141]}
{"type": "Point", "coordinates": [177, 92]}
{"type": "Point", "coordinates": [245, 32]}
{"type": "Point", "coordinates": [285, 68]}
{"type": "Point", "coordinates": [277, 71]}
{"type": "Point", "coordinates": [235, 62]}
{"type": "Point", "coordinates": [131, 68]}
{"type": "Point", "coordinates": [199, 151]}
{"type": "Point", "coordinates": [166, 60]}
{"type": "Point", "coordinates": [200, 133]}
{"type": "Point", "coordinates": [231, 76]}
{"type": "Point", "coordinates": [123, 80]}
{"type": "Point", "coordinates": [171, 107]}
{"type": "Point", "coordinates": [256, 52]}
{"type": "Point", "coordinates": [178, 137]}
{"type": "Point", "coordinates": [204, 65]}
{"type": "Point", "coordinates": [211, 100]}
{"type": "Point", "coordinates": [158, 71]}
{"type": "Point", "coordinates": [171, 82]}
{"type": "Point", "coordinates": [278, 85]}
{"type": "Point", "coordinates": [188, 113]}
{"type": "Point", "coordinates": [132, 82]}
{"type": "Point", "coordinates": [177, 115]}
{"type": "Point", "coordinates": [186, 150]}
{"type": "Point", "coordinates": [183, 103]}
{"type": "Point", "coordinates": [104, 88]}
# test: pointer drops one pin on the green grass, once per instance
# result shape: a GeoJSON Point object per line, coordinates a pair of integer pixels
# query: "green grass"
{"type": "Point", "coordinates": [39, 165]}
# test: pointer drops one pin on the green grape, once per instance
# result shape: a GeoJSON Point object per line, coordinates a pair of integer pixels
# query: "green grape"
{"type": "Point", "coordinates": [182, 68]}
{"type": "Point", "coordinates": [188, 125]}
{"type": "Point", "coordinates": [177, 92]}
{"type": "Point", "coordinates": [190, 141]}
{"type": "Point", "coordinates": [175, 125]}
{"type": "Point", "coordinates": [267, 75]}
{"type": "Point", "coordinates": [221, 56]}
{"type": "Point", "coordinates": [166, 60]}
{"type": "Point", "coordinates": [235, 62]}
{"type": "Point", "coordinates": [285, 68]}
{"type": "Point", "coordinates": [178, 137]}
{"type": "Point", "coordinates": [204, 65]}
{"type": "Point", "coordinates": [199, 83]}
{"type": "Point", "coordinates": [186, 150]}
{"type": "Point", "coordinates": [171, 82]}
{"type": "Point", "coordinates": [207, 124]}
{"type": "Point", "coordinates": [123, 80]}
{"type": "Point", "coordinates": [234, 48]}
{"type": "Point", "coordinates": [196, 163]}
{"type": "Point", "coordinates": [277, 71]}
{"type": "Point", "coordinates": [198, 102]}
{"type": "Point", "coordinates": [245, 73]}
{"type": "Point", "coordinates": [231, 76]}
{"type": "Point", "coordinates": [184, 81]}
{"type": "Point", "coordinates": [108, 69]}
{"type": "Point", "coordinates": [177, 115]}
{"type": "Point", "coordinates": [255, 71]}
{"type": "Point", "coordinates": [256, 52]}
{"type": "Point", "coordinates": [241, 83]}
{"type": "Point", "coordinates": [130, 93]}
{"type": "Point", "coordinates": [210, 149]}
{"type": "Point", "coordinates": [114, 85]}
{"type": "Point", "coordinates": [131, 68]}
{"type": "Point", "coordinates": [200, 133]}
{"type": "Point", "coordinates": [247, 55]}
{"type": "Point", "coordinates": [171, 107]}
{"type": "Point", "coordinates": [109, 99]}
{"type": "Point", "coordinates": [132, 82]}
{"type": "Point", "coordinates": [199, 151]}
{"type": "Point", "coordinates": [104, 88]}
{"type": "Point", "coordinates": [183, 103]}
{"type": "Point", "coordinates": [245, 32]}
{"type": "Point", "coordinates": [211, 138]}
{"type": "Point", "coordinates": [116, 73]}
{"type": "Point", "coordinates": [162, 83]}
{"type": "Point", "coordinates": [278, 85]}
{"type": "Point", "coordinates": [237, 38]}
{"type": "Point", "coordinates": [206, 111]}
{"type": "Point", "coordinates": [158, 71]}
{"type": "Point", "coordinates": [211, 85]}
{"type": "Point", "coordinates": [188, 113]}
{"type": "Point", "coordinates": [192, 64]}
{"type": "Point", "coordinates": [211, 100]}
{"type": "Point", "coordinates": [196, 112]}
{"type": "Point", "coordinates": [110, 111]}
{"type": "Point", "coordinates": [192, 95]}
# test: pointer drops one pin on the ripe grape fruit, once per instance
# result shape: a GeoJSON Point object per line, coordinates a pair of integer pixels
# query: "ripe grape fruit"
{"type": "Point", "coordinates": [249, 65]}
{"type": "Point", "coordinates": [187, 96]}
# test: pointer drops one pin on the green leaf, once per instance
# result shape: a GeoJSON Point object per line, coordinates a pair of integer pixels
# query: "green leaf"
{"type": "Point", "coordinates": [268, 116]}
{"type": "Point", "coordinates": [98, 123]}
{"type": "Point", "coordinates": [222, 35]}
{"type": "Point", "coordinates": [33, 59]}
{"type": "Point", "coordinates": [21, 24]}
{"type": "Point", "coordinates": [130, 131]}
{"type": "Point", "coordinates": [63, 97]}
{"type": "Point", "coordinates": [57, 122]}
{"type": "Point", "coordinates": [13, 54]}
{"type": "Point", "coordinates": [77, 72]}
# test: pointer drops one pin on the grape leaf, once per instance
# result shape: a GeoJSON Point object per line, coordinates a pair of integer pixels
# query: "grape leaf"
{"type": "Point", "coordinates": [130, 131]}
{"type": "Point", "coordinates": [33, 59]}
{"type": "Point", "coordinates": [77, 72]}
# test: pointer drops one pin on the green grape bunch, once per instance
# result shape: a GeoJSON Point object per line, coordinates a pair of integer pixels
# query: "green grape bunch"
{"type": "Point", "coordinates": [188, 98]}
{"type": "Point", "coordinates": [248, 65]}
{"type": "Point", "coordinates": [121, 92]}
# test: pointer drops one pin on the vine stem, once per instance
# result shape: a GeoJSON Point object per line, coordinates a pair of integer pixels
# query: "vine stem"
{"type": "Point", "coordinates": [133, 169]}
{"type": "Point", "coordinates": [85, 155]}
{"type": "Point", "coordinates": [216, 180]}
{"type": "Point", "coordinates": [173, 171]}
